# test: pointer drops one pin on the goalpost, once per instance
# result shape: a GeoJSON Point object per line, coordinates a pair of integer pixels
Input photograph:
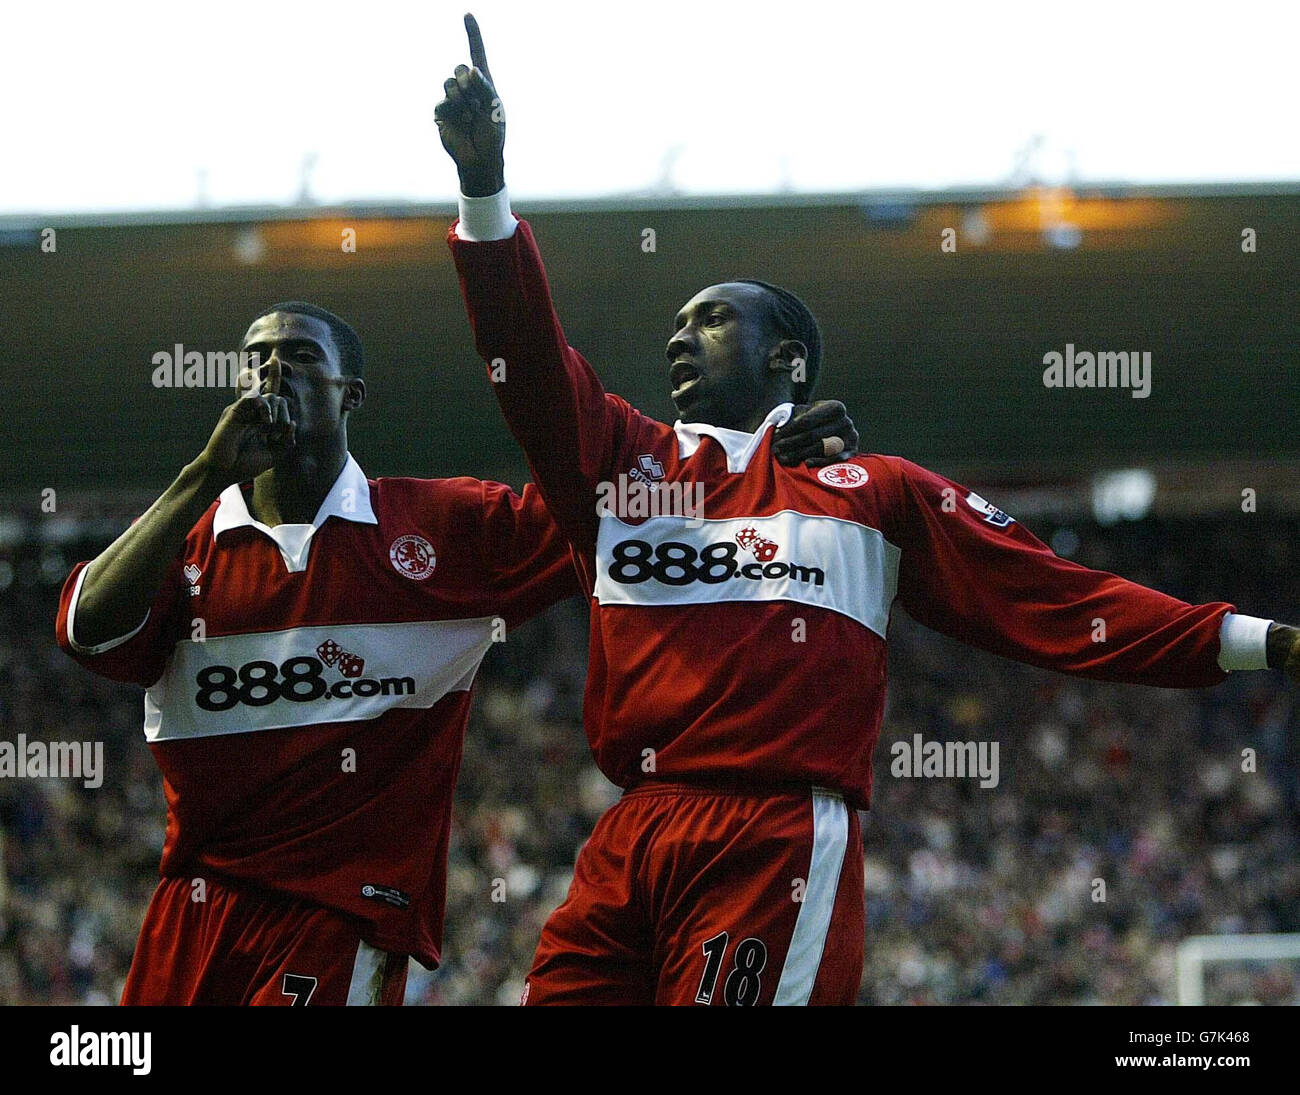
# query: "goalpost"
{"type": "Point", "coordinates": [1195, 952]}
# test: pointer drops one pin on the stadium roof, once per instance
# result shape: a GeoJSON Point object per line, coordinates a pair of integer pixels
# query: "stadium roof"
{"type": "Point", "coordinates": [638, 201]}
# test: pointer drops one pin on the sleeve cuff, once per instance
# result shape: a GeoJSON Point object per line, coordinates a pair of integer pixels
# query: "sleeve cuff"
{"type": "Point", "coordinates": [484, 219]}
{"type": "Point", "coordinates": [100, 648]}
{"type": "Point", "coordinates": [1243, 642]}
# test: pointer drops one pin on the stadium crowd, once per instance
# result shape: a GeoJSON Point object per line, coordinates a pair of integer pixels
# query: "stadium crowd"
{"type": "Point", "coordinates": [1122, 820]}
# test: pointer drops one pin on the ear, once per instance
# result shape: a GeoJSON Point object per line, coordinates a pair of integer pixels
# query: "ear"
{"type": "Point", "coordinates": [354, 393]}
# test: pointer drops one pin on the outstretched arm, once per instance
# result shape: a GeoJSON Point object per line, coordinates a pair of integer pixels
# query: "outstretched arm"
{"type": "Point", "coordinates": [971, 571]}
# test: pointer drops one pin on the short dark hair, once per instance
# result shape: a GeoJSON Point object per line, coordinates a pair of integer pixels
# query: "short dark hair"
{"type": "Point", "coordinates": [790, 317]}
{"type": "Point", "coordinates": [351, 360]}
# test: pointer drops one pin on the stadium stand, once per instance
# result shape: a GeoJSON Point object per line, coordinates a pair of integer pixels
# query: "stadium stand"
{"type": "Point", "coordinates": [973, 895]}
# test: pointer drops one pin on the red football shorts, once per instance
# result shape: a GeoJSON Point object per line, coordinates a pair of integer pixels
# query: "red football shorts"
{"type": "Point", "coordinates": [236, 947]}
{"type": "Point", "coordinates": [689, 895]}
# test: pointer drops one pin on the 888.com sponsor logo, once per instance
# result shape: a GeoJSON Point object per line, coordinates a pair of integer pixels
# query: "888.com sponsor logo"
{"type": "Point", "coordinates": [301, 679]}
{"type": "Point", "coordinates": [674, 563]}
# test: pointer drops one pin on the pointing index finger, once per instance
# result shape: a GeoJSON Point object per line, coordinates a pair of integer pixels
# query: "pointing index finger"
{"type": "Point", "coordinates": [477, 54]}
{"type": "Point", "coordinates": [273, 376]}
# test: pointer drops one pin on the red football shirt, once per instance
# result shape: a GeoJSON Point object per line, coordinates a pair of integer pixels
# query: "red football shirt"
{"type": "Point", "coordinates": [751, 645]}
{"type": "Point", "coordinates": [308, 687]}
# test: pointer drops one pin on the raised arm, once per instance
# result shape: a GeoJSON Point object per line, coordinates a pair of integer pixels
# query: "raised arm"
{"type": "Point", "coordinates": [553, 401]}
{"type": "Point", "coordinates": [568, 425]}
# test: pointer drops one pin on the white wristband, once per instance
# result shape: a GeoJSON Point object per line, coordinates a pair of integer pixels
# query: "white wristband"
{"type": "Point", "coordinates": [1243, 642]}
{"type": "Point", "coordinates": [484, 219]}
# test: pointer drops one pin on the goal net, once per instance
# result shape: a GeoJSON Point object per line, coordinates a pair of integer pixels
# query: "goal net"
{"type": "Point", "coordinates": [1239, 969]}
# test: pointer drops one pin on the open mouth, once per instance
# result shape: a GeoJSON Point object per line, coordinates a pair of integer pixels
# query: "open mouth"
{"type": "Point", "coordinates": [683, 376]}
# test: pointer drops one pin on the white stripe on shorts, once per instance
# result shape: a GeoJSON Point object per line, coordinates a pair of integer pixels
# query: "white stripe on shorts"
{"type": "Point", "coordinates": [803, 959]}
{"type": "Point", "coordinates": [368, 974]}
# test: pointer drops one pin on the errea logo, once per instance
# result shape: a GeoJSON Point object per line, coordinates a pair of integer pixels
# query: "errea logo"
{"type": "Point", "coordinates": [987, 510]}
{"type": "Point", "coordinates": [413, 557]}
{"type": "Point", "coordinates": [650, 469]}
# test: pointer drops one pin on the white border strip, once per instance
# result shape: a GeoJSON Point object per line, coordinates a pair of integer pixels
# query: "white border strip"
{"type": "Point", "coordinates": [368, 973]}
{"type": "Point", "coordinates": [803, 959]}
{"type": "Point", "coordinates": [100, 648]}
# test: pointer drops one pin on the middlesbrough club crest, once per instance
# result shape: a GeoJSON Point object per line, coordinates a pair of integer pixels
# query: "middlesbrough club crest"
{"type": "Point", "coordinates": [847, 476]}
{"type": "Point", "coordinates": [413, 557]}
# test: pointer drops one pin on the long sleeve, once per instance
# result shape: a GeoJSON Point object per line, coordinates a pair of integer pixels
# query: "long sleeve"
{"type": "Point", "coordinates": [525, 556]}
{"type": "Point", "coordinates": [970, 571]}
{"type": "Point", "coordinates": [138, 657]}
{"type": "Point", "coordinates": [570, 428]}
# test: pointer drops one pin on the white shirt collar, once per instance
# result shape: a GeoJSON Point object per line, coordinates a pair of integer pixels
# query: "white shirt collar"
{"type": "Point", "coordinates": [349, 498]}
{"type": "Point", "coordinates": [740, 446]}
